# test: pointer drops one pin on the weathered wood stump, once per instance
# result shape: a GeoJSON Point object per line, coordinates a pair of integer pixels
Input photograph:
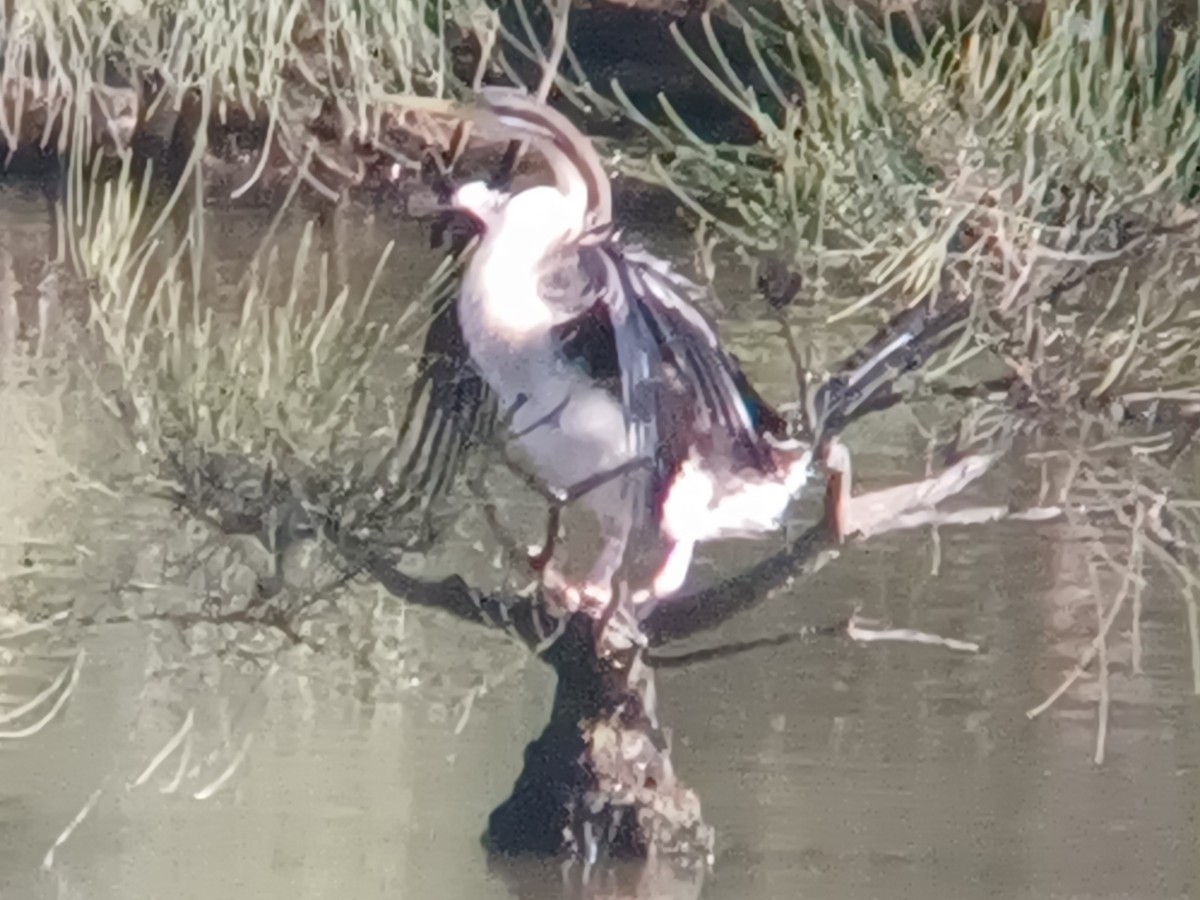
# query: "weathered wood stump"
{"type": "Point", "coordinates": [598, 783]}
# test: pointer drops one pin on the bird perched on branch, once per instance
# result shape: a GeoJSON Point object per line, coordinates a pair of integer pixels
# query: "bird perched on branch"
{"type": "Point", "coordinates": [613, 387]}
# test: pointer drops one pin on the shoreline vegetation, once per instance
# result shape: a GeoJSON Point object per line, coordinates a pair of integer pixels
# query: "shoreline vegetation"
{"type": "Point", "coordinates": [1037, 166]}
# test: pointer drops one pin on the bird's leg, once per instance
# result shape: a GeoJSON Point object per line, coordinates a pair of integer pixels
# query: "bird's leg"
{"type": "Point", "coordinates": [606, 494]}
{"type": "Point", "coordinates": [540, 556]}
{"type": "Point", "coordinates": [611, 506]}
{"type": "Point", "coordinates": [537, 558]}
{"type": "Point", "coordinates": [835, 460]}
{"type": "Point", "coordinates": [600, 479]}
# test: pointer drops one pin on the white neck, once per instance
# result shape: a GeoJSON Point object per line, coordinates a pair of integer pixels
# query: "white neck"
{"type": "Point", "coordinates": [500, 291]}
{"type": "Point", "coordinates": [502, 283]}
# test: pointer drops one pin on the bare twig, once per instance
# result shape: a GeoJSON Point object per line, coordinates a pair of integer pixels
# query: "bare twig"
{"type": "Point", "coordinates": [180, 770]}
{"type": "Point", "coordinates": [859, 629]}
{"type": "Point", "coordinates": [48, 859]}
{"type": "Point", "coordinates": [1096, 646]}
{"type": "Point", "coordinates": [1102, 707]}
{"type": "Point", "coordinates": [34, 702]}
{"type": "Point", "coordinates": [558, 44]}
{"type": "Point", "coordinates": [27, 628]}
{"type": "Point", "coordinates": [165, 753]}
{"type": "Point", "coordinates": [62, 698]}
{"type": "Point", "coordinates": [228, 772]}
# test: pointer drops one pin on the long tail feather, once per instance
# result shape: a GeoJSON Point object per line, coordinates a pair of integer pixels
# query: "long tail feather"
{"type": "Point", "coordinates": [450, 412]}
{"type": "Point", "coordinates": [866, 380]}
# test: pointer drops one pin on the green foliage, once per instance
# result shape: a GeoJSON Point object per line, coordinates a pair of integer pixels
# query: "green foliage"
{"type": "Point", "coordinates": [276, 375]}
{"type": "Point", "coordinates": [89, 69]}
{"type": "Point", "coordinates": [871, 159]}
{"type": "Point", "coordinates": [1045, 175]}
{"type": "Point", "coordinates": [241, 51]}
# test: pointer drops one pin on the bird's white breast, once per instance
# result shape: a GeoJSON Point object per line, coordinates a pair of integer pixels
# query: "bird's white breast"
{"type": "Point", "coordinates": [569, 428]}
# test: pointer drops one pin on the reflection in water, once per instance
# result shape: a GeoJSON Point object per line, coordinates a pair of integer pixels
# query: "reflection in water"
{"type": "Point", "coordinates": [367, 768]}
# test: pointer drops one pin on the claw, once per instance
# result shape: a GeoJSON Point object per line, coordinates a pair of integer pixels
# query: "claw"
{"type": "Point", "coordinates": [588, 597]}
{"type": "Point", "coordinates": [593, 598]}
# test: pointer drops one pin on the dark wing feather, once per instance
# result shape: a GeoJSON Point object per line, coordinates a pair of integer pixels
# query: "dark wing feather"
{"type": "Point", "coordinates": [645, 335]}
{"type": "Point", "coordinates": [603, 334]}
{"type": "Point", "coordinates": [631, 324]}
{"type": "Point", "coordinates": [450, 412]}
{"type": "Point", "coordinates": [866, 380]}
{"type": "Point", "coordinates": [586, 342]}
{"type": "Point", "coordinates": [724, 407]}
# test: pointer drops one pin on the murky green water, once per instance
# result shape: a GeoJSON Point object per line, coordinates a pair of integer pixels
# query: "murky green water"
{"type": "Point", "coordinates": [829, 769]}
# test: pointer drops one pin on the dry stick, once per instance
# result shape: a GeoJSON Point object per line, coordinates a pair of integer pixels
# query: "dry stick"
{"type": "Point", "coordinates": [1136, 563]}
{"type": "Point", "coordinates": [1188, 583]}
{"type": "Point", "coordinates": [1102, 708]}
{"type": "Point", "coordinates": [184, 758]}
{"type": "Point", "coordinates": [935, 534]}
{"type": "Point", "coordinates": [29, 706]}
{"type": "Point", "coordinates": [58, 704]}
{"type": "Point", "coordinates": [557, 47]}
{"type": "Point", "coordinates": [31, 627]}
{"type": "Point", "coordinates": [219, 782]}
{"type": "Point", "coordinates": [48, 859]}
{"type": "Point", "coordinates": [1095, 647]}
{"type": "Point", "coordinates": [856, 629]}
{"type": "Point", "coordinates": [487, 45]}
{"type": "Point", "coordinates": [1194, 629]}
{"type": "Point", "coordinates": [165, 753]}
{"type": "Point", "coordinates": [1136, 570]}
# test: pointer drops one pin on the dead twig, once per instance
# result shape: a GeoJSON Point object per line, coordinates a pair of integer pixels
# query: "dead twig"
{"type": "Point", "coordinates": [64, 695]}
{"type": "Point", "coordinates": [859, 629]}
{"type": "Point", "coordinates": [48, 859]}
{"type": "Point", "coordinates": [1097, 645]}
{"type": "Point", "coordinates": [168, 748]}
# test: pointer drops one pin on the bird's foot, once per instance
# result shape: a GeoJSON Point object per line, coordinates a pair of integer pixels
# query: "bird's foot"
{"type": "Point", "coordinates": [537, 556]}
{"type": "Point", "coordinates": [589, 596]}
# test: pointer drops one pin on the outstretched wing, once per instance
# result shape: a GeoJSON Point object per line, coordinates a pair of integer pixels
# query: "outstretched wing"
{"type": "Point", "coordinates": [643, 336]}
{"type": "Point", "coordinates": [711, 402]}
{"type": "Point", "coordinates": [450, 412]}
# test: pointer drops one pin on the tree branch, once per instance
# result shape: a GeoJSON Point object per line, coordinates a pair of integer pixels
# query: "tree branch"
{"type": "Point", "coordinates": [681, 617]}
{"type": "Point", "coordinates": [526, 618]}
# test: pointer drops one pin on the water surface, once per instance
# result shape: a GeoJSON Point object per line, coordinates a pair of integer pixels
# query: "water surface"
{"type": "Point", "coordinates": [829, 769]}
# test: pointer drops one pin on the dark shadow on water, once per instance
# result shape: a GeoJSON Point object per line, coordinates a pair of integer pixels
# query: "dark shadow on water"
{"type": "Point", "coordinates": [530, 879]}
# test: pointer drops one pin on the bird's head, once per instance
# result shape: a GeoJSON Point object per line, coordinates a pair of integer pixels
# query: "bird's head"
{"type": "Point", "coordinates": [480, 202]}
{"type": "Point", "coordinates": [535, 220]}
